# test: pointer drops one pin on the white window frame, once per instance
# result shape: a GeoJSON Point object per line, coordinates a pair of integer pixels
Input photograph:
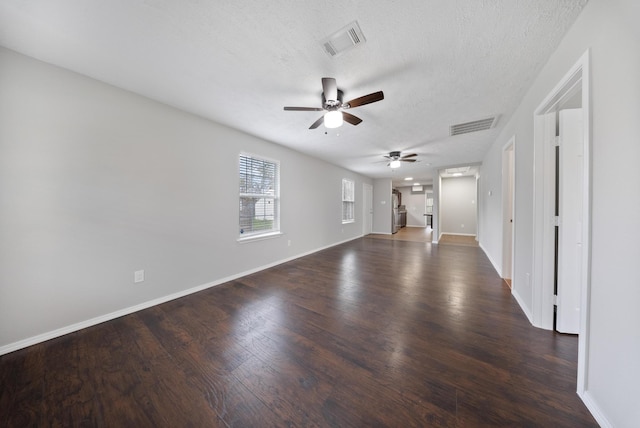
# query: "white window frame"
{"type": "Point", "coordinates": [268, 198]}
{"type": "Point", "coordinates": [348, 201]}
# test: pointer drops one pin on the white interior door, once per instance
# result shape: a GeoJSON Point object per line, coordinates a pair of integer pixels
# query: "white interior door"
{"type": "Point", "coordinates": [571, 207]}
{"type": "Point", "coordinates": [508, 173]}
{"type": "Point", "coordinates": [367, 214]}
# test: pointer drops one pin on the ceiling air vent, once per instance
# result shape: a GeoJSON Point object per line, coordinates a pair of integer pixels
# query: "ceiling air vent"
{"type": "Point", "coordinates": [460, 170]}
{"type": "Point", "coordinates": [344, 39]}
{"type": "Point", "coordinates": [476, 125]}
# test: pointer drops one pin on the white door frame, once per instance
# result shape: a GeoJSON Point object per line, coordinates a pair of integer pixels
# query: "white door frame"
{"type": "Point", "coordinates": [477, 202]}
{"type": "Point", "coordinates": [508, 209]}
{"type": "Point", "coordinates": [577, 78]}
{"type": "Point", "coordinates": [367, 208]}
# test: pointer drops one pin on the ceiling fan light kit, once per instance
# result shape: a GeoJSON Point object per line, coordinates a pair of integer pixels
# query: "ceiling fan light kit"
{"type": "Point", "coordinates": [333, 119]}
{"type": "Point", "coordinates": [396, 159]}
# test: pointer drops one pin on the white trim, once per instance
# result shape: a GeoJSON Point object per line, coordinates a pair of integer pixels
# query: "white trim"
{"type": "Point", "coordinates": [579, 74]}
{"type": "Point", "coordinates": [367, 210]}
{"type": "Point", "coordinates": [477, 199]}
{"type": "Point", "coordinates": [595, 410]}
{"type": "Point", "coordinates": [585, 304]}
{"type": "Point", "coordinates": [524, 308]}
{"type": "Point", "coordinates": [351, 185]}
{"type": "Point", "coordinates": [34, 340]}
{"type": "Point", "coordinates": [260, 237]}
{"type": "Point", "coordinates": [275, 230]}
{"type": "Point", "coordinates": [457, 234]}
{"type": "Point", "coordinates": [486, 253]}
{"type": "Point", "coordinates": [509, 146]}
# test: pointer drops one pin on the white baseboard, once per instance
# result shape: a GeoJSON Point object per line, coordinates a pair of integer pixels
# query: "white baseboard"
{"type": "Point", "coordinates": [458, 234]}
{"type": "Point", "coordinates": [24, 343]}
{"type": "Point", "coordinates": [495, 265]}
{"type": "Point", "coordinates": [595, 410]}
{"type": "Point", "coordinates": [526, 311]}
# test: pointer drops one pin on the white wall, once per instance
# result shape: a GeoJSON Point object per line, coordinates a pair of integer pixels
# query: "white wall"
{"type": "Point", "coordinates": [490, 206]}
{"type": "Point", "coordinates": [458, 212]}
{"type": "Point", "coordinates": [609, 28]}
{"type": "Point", "coordinates": [96, 182]}
{"type": "Point", "coordinates": [415, 204]}
{"type": "Point", "coordinates": [437, 191]}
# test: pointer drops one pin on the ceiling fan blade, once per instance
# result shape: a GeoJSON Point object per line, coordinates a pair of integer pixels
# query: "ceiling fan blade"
{"type": "Point", "coordinates": [317, 123]}
{"type": "Point", "coordinates": [366, 99]}
{"type": "Point", "coordinates": [348, 117]}
{"type": "Point", "coordinates": [330, 89]}
{"type": "Point", "coordinates": [412, 155]}
{"type": "Point", "coordinates": [303, 108]}
{"type": "Point", "coordinates": [408, 160]}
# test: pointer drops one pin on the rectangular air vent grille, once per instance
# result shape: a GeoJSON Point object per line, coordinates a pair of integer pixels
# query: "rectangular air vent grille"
{"type": "Point", "coordinates": [459, 170]}
{"type": "Point", "coordinates": [476, 125]}
{"type": "Point", "coordinates": [344, 39]}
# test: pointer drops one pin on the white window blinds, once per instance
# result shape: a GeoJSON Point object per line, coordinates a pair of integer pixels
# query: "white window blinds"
{"type": "Point", "coordinates": [259, 196]}
{"type": "Point", "coordinates": [348, 201]}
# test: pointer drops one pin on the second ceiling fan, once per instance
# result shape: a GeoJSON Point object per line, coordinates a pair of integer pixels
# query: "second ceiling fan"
{"type": "Point", "coordinates": [335, 108]}
{"type": "Point", "coordinates": [395, 159]}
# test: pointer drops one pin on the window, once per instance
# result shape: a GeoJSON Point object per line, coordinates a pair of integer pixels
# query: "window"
{"type": "Point", "coordinates": [259, 196]}
{"type": "Point", "coordinates": [348, 201]}
{"type": "Point", "coordinates": [429, 203]}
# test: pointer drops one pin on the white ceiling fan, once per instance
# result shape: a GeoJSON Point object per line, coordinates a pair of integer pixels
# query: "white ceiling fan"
{"type": "Point", "coordinates": [396, 159]}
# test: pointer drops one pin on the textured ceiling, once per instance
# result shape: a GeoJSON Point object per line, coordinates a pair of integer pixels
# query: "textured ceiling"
{"type": "Point", "coordinates": [439, 62]}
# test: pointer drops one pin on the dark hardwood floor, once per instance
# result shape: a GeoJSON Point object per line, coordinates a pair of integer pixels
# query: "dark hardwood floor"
{"type": "Point", "coordinates": [370, 333]}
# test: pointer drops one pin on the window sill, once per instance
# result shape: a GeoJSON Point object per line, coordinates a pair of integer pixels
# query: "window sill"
{"type": "Point", "coordinates": [252, 238]}
{"type": "Point", "coordinates": [348, 222]}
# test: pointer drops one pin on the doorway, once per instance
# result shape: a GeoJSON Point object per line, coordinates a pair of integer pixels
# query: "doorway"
{"type": "Point", "coordinates": [367, 208]}
{"type": "Point", "coordinates": [561, 227]}
{"type": "Point", "coordinates": [428, 210]}
{"type": "Point", "coordinates": [508, 204]}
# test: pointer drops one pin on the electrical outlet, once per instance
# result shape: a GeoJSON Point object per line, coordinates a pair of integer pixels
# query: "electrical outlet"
{"type": "Point", "coordinates": [138, 276]}
{"type": "Point", "coordinates": [289, 243]}
{"type": "Point", "coordinates": [462, 226]}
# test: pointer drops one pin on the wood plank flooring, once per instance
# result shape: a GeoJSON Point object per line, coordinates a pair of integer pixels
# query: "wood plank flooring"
{"type": "Point", "coordinates": [448, 239]}
{"type": "Point", "coordinates": [414, 234]}
{"type": "Point", "coordinates": [369, 333]}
